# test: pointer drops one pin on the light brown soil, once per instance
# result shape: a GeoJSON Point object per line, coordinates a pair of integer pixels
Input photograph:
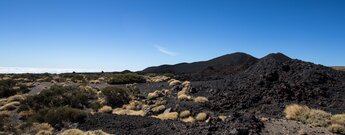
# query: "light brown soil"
{"type": "Point", "coordinates": [288, 127]}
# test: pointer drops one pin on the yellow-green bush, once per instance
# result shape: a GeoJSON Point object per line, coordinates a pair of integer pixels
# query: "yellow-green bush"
{"type": "Point", "coordinates": [185, 114]}
{"type": "Point", "coordinates": [201, 117]}
{"type": "Point", "coordinates": [158, 109]}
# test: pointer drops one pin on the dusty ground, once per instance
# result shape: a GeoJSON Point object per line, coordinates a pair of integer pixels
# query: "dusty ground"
{"type": "Point", "coordinates": [288, 127]}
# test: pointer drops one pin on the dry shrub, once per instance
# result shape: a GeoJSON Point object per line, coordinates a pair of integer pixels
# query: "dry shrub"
{"type": "Point", "coordinates": [130, 107]}
{"type": "Point", "coordinates": [174, 83]}
{"type": "Point", "coordinates": [145, 107]}
{"type": "Point", "coordinates": [308, 116]}
{"type": "Point", "coordinates": [186, 84]}
{"type": "Point", "coordinates": [25, 114]}
{"type": "Point", "coordinates": [294, 111]}
{"type": "Point", "coordinates": [317, 118]}
{"type": "Point", "coordinates": [160, 102]}
{"type": "Point", "coordinates": [72, 132]}
{"type": "Point", "coordinates": [90, 90]}
{"type": "Point", "coordinates": [43, 132]}
{"type": "Point", "coordinates": [42, 128]}
{"type": "Point", "coordinates": [181, 93]}
{"type": "Point", "coordinates": [10, 106]}
{"type": "Point", "coordinates": [183, 97]}
{"type": "Point", "coordinates": [95, 81]}
{"type": "Point", "coordinates": [200, 100]}
{"type": "Point", "coordinates": [201, 117]}
{"type": "Point", "coordinates": [96, 132]}
{"type": "Point", "coordinates": [167, 116]}
{"type": "Point", "coordinates": [4, 114]}
{"type": "Point", "coordinates": [121, 111]}
{"type": "Point", "coordinates": [157, 79]}
{"type": "Point", "coordinates": [158, 109]}
{"type": "Point", "coordinates": [3, 101]}
{"type": "Point", "coordinates": [338, 119]}
{"type": "Point", "coordinates": [190, 119]}
{"type": "Point", "coordinates": [79, 132]}
{"type": "Point", "coordinates": [336, 128]}
{"type": "Point", "coordinates": [16, 98]}
{"type": "Point", "coordinates": [185, 89]}
{"type": "Point", "coordinates": [185, 114]}
{"type": "Point", "coordinates": [154, 95]}
{"type": "Point", "coordinates": [105, 109]}
{"type": "Point", "coordinates": [222, 117]}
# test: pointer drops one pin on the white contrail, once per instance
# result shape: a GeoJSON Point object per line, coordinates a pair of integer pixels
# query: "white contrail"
{"type": "Point", "coordinates": [165, 51]}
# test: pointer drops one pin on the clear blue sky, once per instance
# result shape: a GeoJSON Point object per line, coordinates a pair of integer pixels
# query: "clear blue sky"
{"type": "Point", "coordinates": [133, 34]}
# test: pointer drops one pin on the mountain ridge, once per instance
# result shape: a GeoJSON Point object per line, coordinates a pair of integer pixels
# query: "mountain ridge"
{"type": "Point", "coordinates": [228, 64]}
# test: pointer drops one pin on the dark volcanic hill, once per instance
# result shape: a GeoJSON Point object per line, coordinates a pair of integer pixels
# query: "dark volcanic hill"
{"type": "Point", "coordinates": [274, 82]}
{"type": "Point", "coordinates": [263, 86]}
{"type": "Point", "coordinates": [224, 65]}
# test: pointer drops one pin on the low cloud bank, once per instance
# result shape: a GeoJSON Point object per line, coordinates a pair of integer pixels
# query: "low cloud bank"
{"type": "Point", "coordinates": [20, 70]}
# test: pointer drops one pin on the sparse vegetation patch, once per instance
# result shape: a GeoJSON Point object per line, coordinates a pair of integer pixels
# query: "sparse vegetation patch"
{"type": "Point", "coordinates": [126, 79]}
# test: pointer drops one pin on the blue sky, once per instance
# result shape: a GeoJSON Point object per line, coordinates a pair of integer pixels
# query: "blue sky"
{"type": "Point", "coordinates": [113, 35]}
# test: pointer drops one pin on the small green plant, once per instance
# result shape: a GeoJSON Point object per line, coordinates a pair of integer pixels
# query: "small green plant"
{"type": "Point", "coordinates": [126, 79]}
{"type": "Point", "coordinates": [56, 116]}
{"type": "Point", "coordinates": [8, 88]}
{"type": "Point", "coordinates": [58, 96]}
{"type": "Point", "coordinates": [74, 77]}
{"type": "Point", "coordinates": [116, 96]}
